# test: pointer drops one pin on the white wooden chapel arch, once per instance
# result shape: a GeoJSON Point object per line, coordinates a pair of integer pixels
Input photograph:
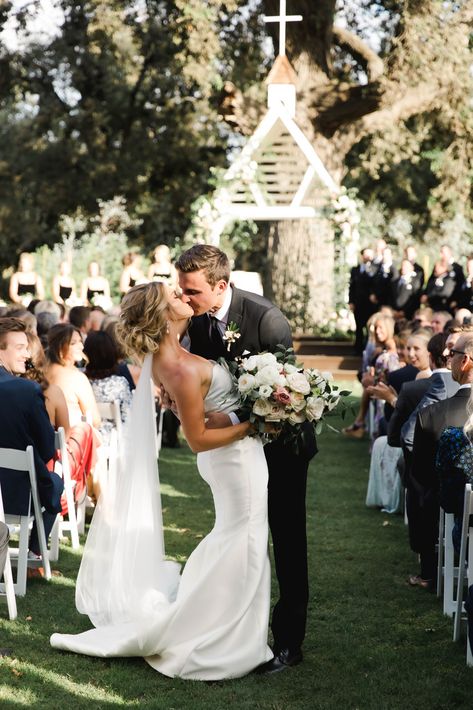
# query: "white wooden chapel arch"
{"type": "Point", "coordinates": [278, 173]}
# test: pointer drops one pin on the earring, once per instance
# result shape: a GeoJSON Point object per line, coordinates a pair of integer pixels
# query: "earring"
{"type": "Point", "coordinates": [168, 330]}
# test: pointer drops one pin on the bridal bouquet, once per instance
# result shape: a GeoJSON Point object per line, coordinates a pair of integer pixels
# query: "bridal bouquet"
{"type": "Point", "coordinates": [277, 391]}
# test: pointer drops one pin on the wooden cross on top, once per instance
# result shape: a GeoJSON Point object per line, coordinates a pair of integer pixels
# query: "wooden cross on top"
{"type": "Point", "coordinates": [283, 19]}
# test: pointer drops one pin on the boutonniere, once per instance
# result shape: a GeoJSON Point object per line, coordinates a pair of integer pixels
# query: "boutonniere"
{"type": "Point", "coordinates": [231, 335]}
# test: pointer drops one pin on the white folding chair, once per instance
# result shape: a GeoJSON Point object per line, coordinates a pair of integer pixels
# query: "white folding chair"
{"type": "Point", "coordinates": [107, 455]}
{"type": "Point", "coordinates": [465, 569]}
{"type": "Point", "coordinates": [447, 571]}
{"type": "Point", "coordinates": [61, 526]}
{"type": "Point", "coordinates": [7, 575]}
{"type": "Point", "coordinates": [20, 524]}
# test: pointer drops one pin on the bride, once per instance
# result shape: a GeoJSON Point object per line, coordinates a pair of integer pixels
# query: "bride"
{"type": "Point", "coordinates": [215, 625]}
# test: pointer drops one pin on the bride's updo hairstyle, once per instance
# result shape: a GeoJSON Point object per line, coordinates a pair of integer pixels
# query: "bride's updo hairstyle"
{"type": "Point", "coordinates": [143, 318]}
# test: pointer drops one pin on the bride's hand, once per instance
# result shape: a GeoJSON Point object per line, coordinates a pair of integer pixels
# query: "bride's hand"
{"type": "Point", "coordinates": [217, 420]}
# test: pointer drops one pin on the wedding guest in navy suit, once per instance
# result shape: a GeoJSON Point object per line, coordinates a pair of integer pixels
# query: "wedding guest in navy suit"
{"type": "Point", "coordinates": [258, 325]}
{"type": "Point", "coordinates": [24, 422]}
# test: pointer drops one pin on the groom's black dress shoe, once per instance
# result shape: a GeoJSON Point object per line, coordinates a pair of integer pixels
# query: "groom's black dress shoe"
{"type": "Point", "coordinates": [282, 659]}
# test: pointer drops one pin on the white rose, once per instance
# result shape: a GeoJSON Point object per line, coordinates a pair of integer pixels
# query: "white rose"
{"type": "Point", "coordinates": [268, 359]}
{"type": "Point", "coordinates": [265, 391]}
{"type": "Point", "coordinates": [328, 376]}
{"type": "Point", "coordinates": [289, 369]}
{"type": "Point", "coordinates": [297, 401]}
{"type": "Point", "coordinates": [262, 407]}
{"type": "Point", "coordinates": [246, 383]}
{"type": "Point", "coordinates": [298, 382]}
{"type": "Point", "coordinates": [315, 408]}
{"type": "Point", "coordinates": [268, 375]}
{"type": "Point", "coordinates": [296, 418]}
{"type": "Point", "coordinates": [251, 363]}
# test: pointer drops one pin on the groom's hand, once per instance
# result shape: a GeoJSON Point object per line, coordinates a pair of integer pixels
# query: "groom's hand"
{"type": "Point", "coordinates": [217, 420]}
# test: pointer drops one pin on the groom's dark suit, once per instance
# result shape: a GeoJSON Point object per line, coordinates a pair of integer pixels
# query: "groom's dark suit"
{"type": "Point", "coordinates": [262, 327]}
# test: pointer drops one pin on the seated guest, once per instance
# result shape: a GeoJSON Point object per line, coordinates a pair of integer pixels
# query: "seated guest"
{"type": "Point", "coordinates": [454, 468]}
{"type": "Point", "coordinates": [65, 348]}
{"type": "Point", "coordinates": [130, 372]}
{"type": "Point", "coordinates": [411, 392]}
{"type": "Point", "coordinates": [422, 317]}
{"type": "Point", "coordinates": [384, 361]}
{"type": "Point", "coordinates": [97, 317]}
{"type": "Point", "coordinates": [463, 316]}
{"type": "Point", "coordinates": [79, 317]}
{"type": "Point", "coordinates": [439, 321]}
{"type": "Point", "coordinates": [79, 438]}
{"type": "Point", "coordinates": [102, 370]}
{"type": "Point", "coordinates": [431, 422]}
{"type": "Point", "coordinates": [24, 315]}
{"type": "Point", "coordinates": [24, 421]}
{"type": "Point", "coordinates": [45, 322]}
{"type": "Point", "coordinates": [384, 484]}
{"type": "Point", "coordinates": [441, 383]}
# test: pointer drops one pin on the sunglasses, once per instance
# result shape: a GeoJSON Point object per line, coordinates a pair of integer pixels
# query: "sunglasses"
{"type": "Point", "coordinates": [453, 352]}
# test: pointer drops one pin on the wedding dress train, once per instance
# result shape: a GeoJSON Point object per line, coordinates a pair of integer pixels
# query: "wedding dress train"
{"type": "Point", "coordinates": [216, 626]}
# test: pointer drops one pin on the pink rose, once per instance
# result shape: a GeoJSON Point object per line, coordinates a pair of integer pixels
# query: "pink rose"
{"type": "Point", "coordinates": [281, 395]}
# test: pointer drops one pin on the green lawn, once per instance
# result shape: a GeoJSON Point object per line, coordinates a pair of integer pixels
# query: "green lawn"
{"type": "Point", "coordinates": [372, 641]}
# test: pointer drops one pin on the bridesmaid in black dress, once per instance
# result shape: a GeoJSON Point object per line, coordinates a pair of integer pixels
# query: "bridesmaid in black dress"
{"type": "Point", "coordinates": [26, 284]}
{"type": "Point", "coordinates": [95, 285]}
{"type": "Point", "coordinates": [64, 286]}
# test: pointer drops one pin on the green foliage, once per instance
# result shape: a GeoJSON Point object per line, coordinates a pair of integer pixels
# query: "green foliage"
{"type": "Point", "coordinates": [122, 102]}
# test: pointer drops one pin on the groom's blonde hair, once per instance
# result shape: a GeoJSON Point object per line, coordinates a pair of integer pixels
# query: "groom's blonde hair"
{"type": "Point", "coordinates": [204, 257]}
{"type": "Point", "coordinates": [143, 319]}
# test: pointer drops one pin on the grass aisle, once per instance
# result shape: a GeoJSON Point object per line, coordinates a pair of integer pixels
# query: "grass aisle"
{"type": "Point", "coordinates": [372, 642]}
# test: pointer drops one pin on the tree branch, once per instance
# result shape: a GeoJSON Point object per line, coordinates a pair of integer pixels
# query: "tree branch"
{"type": "Point", "coordinates": [360, 51]}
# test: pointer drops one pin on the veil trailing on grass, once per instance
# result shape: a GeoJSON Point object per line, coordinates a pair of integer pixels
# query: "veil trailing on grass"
{"type": "Point", "coordinates": [123, 573]}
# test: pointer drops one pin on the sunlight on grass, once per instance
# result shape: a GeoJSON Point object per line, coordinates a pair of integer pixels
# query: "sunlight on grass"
{"type": "Point", "coordinates": [83, 690]}
{"type": "Point", "coordinates": [17, 697]}
{"type": "Point", "coordinates": [168, 490]}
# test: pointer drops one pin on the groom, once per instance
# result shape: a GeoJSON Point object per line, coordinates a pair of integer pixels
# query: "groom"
{"type": "Point", "coordinates": [219, 308]}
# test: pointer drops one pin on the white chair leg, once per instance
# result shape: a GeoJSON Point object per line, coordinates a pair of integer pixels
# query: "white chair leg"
{"type": "Point", "coordinates": [54, 542]}
{"type": "Point", "coordinates": [461, 565]}
{"type": "Point", "coordinates": [449, 603]}
{"type": "Point", "coordinates": [441, 544]}
{"type": "Point", "coordinates": [22, 562]}
{"type": "Point", "coordinates": [10, 588]}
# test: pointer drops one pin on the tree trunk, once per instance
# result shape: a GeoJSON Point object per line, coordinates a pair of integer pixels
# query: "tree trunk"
{"type": "Point", "coordinates": [300, 277]}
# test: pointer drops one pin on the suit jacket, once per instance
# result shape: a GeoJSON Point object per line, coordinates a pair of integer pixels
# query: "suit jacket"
{"type": "Point", "coordinates": [24, 421]}
{"type": "Point", "coordinates": [406, 296]}
{"type": "Point", "coordinates": [261, 326]}
{"type": "Point", "coordinates": [442, 385]}
{"type": "Point", "coordinates": [409, 397]}
{"type": "Point", "coordinates": [361, 287]}
{"type": "Point", "coordinates": [260, 323]}
{"type": "Point", "coordinates": [396, 379]}
{"type": "Point", "coordinates": [431, 421]}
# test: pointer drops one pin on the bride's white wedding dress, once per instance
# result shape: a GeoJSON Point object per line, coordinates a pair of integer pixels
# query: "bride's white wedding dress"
{"type": "Point", "coordinates": [216, 626]}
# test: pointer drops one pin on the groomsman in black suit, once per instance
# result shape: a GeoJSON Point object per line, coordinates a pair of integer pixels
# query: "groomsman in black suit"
{"type": "Point", "coordinates": [361, 298]}
{"type": "Point", "coordinates": [24, 421]}
{"type": "Point", "coordinates": [410, 254]}
{"type": "Point", "coordinates": [431, 421]}
{"type": "Point", "coordinates": [204, 274]}
{"type": "Point", "coordinates": [405, 291]}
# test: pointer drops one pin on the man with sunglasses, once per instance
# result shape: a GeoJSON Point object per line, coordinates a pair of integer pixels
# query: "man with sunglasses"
{"type": "Point", "coordinates": [430, 423]}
